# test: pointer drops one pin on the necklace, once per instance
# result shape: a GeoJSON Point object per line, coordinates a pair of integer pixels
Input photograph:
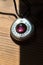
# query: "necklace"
{"type": "Point", "coordinates": [21, 29]}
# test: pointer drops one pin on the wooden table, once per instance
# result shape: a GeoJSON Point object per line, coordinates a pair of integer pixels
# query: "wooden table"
{"type": "Point", "coordinates": [9, 51]}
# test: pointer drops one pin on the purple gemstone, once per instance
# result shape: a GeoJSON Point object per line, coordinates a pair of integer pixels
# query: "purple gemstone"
{"type": "Point", "coordinates": [21, 28]}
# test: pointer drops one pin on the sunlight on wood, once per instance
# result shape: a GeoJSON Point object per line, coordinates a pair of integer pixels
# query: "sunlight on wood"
{"type": "Point", "coordinates": [9, 51]}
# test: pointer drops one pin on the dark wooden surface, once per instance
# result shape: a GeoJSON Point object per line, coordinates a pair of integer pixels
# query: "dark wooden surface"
{"type": "Point", "coordinates": [32, 54]}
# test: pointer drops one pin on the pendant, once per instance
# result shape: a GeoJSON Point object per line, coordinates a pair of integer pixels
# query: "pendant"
{"type": "Point", "coordinates": [22, 29]}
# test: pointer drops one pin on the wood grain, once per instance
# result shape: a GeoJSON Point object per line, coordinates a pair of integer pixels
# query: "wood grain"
{"type": "Point", "coordinates": [9, 51]}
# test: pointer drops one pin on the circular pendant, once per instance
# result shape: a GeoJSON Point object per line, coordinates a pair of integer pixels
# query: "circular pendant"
{"type": "Point", "coordinates": [21, 29]}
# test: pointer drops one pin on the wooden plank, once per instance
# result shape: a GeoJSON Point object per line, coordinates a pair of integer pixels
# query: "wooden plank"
{"type": "Point", "coordinates": [9, 51]}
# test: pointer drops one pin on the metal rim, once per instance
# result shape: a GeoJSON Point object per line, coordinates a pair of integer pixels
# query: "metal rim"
{"type": "Point", "coordinates": [25, 35]}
